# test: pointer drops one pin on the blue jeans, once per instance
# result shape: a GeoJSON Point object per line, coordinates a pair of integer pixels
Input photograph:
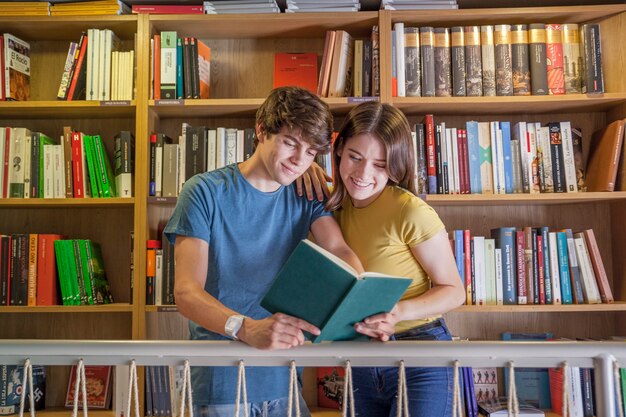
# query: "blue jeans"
{"type": "Point", "coordinates": [273, 408]}
{"type": "Point", "coordinates": [429, 389]}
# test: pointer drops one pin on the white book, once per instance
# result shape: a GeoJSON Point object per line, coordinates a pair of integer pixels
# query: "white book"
{"type": "Point", "coordinates": [519, 134]}
{"type": "Point", "coordinates": [211, 149]}
{"type": "Point", "coordinates": [455, 161]}
{"type": "Point", "coordinates": [158, 278]}
{"type": "Point", "coordinates": [448, 159]}
{"type": "Point", "coordinates": [543, 138]}
{"type": "Point", "coordinates": [58, 174]}
{"type": "Point", "coordinates": [590, 286]}
{"type": "Point", "coordinates": [532, 158]}
{"type": "Point", "coordinates": [48, 171]}
{"type": "Point", "coordinates": [343, 58]}
{"type": "Point", "coordinates": [554, 268]}
{"type": "Point", "coordinates": [220, 148]}
{"type": "Point", "coordinates": [214, 2]}
{"type": "Point", "coordinates": [419, 6]}
{"type": "Point", "coordinates": [240, 145]}
{"type": "Point", "coordinates": [170, 169]}
{"type": "Point", "coordinates": [480, 280]}
{"type": "Point", "coordinates": [246, 11]}
{"type": "Point", "coordinates": [16, 162]}
{"type": "Point", "coordinates": [115, 71]}
{"type": "Point", "coordinates": [400, 64]}
{"type": "Point", "coordinates": [104, 78]}
{"type": "Point", "coordinates": [499, 287]}
{"type": "Point", "coordinates": [496, 154]}
{"type": "Point", "coordinates": [158, 170]}
{"type": "Point", "coordinates": [568, 157]}
{"type": "Point", "coordinates": [490, 271]}
{"type": "Point", "coordinates": [486, 171]}
{"type": "Point", "coordinates": [28, 138]}
{"type": "Point", "coordinates": [330, 2]}
{"type": "Point", "coordinates": [231, 146]}
{"type": "Point", "coordinates": [121, 390]}
{"type": "Point", "coordinates": [576, 392]}
{"type": "Point", "coordinates": [181, 161]}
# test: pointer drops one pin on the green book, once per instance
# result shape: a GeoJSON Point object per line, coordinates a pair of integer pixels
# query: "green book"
{"type": "Point", "coordinates": [92, 166]}
{"type": "Point", "coordinates": [322, 289]}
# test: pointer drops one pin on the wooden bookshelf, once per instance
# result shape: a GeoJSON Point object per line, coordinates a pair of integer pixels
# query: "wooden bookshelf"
{"type": "Point", "coordinates": [242, 53]}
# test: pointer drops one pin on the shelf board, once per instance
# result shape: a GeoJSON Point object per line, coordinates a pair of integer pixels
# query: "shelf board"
{"type": "Point", "coordinates": [47, 109]}
{"type": "Point", "coordinates": [257, 26]}
{"type": "Point", "coordinates": [235, 107]}
{"type": "Point", "coordinates": [66, 202]}
{"type": "Point", "coordinates": [544, 308]}
{"type": "Point", "coordinates": [101, 308]}
{"type": "Point", "coordinates": [65, 412]}
{"type": "Point", "coordinates": [508, 199]}
{"type": "Point", "coordinates": [574, 103]}
{"type": "Point", "coordinates": [491, 16]}
{"type": "Point", "coordinates": [161, 309]}
{"type": "Point", "coordinates": [162, 200]}
{"type": "Point", "coordinates": [67, 28]}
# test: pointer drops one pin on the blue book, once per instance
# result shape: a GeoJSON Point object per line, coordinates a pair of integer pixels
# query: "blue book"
{"type": "Point", "coordinates": [566, 286]}
{"type": "Point", "coordinates": [505, 127]}
{"type": "Point", "coordinates": [533, 384]}
{"type": "Point", "coordinates": [505, 241]}
{"type": "Point", "coordinates": [471, 405]}
{"type": "Point", "coordinates": [473, 152]}
{"type": "Point", "coordinates": [458, 254]}
{"type": "Point", "coordinates": [179, 69]}
{"type": "Point", "coordinates": [546, 265]}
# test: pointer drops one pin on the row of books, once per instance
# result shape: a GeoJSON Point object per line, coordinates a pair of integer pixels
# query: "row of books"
{"type": "Point", "coordinates": [65, 8]}
{"type": "Point", "coordinates": [499, 157]}
{"type": "Point", "coordinates": [160, 272]}
{"type": "Point", "coordinates": [96, 68]}
{"type": "Point", "coordinates": [500, 60]}
{"type": "Point", "coordinates": [349, 67]}
{"type": "Point", "coordinates": [418, 4]}
{"type": "Point", "coordinates": [321, 6]}
{"type": "Point", "coordinates": [163, 390]}
{"type": "Point", "coordinates": [76, 167]}
{"type": "Point", "coordinates": [179, 67]}
{"type": "Point", "coordinates": [531, 266]}
{"type": "Point", "coordinates": [34, 266]}
{"type": "Point", "coordinates": [199, 149]}
{"type": "Point", "coordinates": [241, 7]}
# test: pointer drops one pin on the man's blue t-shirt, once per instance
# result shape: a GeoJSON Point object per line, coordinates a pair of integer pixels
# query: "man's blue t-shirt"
{"type": "Point", "coordinates": [250, 235]}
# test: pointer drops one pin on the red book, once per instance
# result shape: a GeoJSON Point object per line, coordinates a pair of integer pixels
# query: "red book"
{"type": "Point", "coordinates": [554, 59]}
{"type": "Point", "coordinates": [98, 384]}
{"type": "Point", "coordinates": [167, 9]}
{"type": "Point", "coordinates": [296, 70]}
{"type": "Point", "coordinates": [330, 381]}
{"type": "Point", "coordinates": [463, 161]}
{"type": "Point", "coordinates": [431, 157]}
{"type": "Point", "coordinates": [47, 279]}
{"type": "Point", "coordinates": [606, 295]}
{"type": "Point", "coordinates": [540, 270]}
{"type": "Point", "coordinates": [77, 165]}
{"type": "Point", "coordinates": [74, 83]}
{"type": "Point", "coordinates": [520, 244]}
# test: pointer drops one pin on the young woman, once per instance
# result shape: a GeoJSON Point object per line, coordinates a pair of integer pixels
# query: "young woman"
{"type": "Point", "coordinates": [393, 231]}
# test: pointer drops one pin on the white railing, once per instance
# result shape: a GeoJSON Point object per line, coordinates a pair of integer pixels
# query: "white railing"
{"type": "Point", "coordinates": [602, 356]}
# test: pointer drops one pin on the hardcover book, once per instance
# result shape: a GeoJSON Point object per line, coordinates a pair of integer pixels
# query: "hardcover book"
{"type": "Point", "coordinates": [330, 384]}
{"type": "Point", "coordinates": [443, 74]}
{"type": "Point", "coordinates": [412, 73]}
{"type": "Point", "coordinates": [554, 59]}
{"type": "Point", "coordinates": [296, 70]}
{"type": "Point", "coordinates": [519, 60]}
{"type": "Point", "coordinates": [604, 155]}
{"type": "Point", "coordinates": [537, 52]}
{"type": "Point", "coordinates": [322, 289]}
{"type": "Point", "coordinates": [473, 62]}
{"type": "Point", "coordinates": [504, 70]}
{"type": "Point", "coordinates": [572, 60]}
{"type": "Point", "coordinates": [427, 46]}
{"type": "Point", "coordinates": [457, 42]}
{"type": "Point", "coordinates": [488, 60]}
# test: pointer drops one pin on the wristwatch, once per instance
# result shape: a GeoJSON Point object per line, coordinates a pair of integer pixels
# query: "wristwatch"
{"type": "Point", "coordinates": [233, 325]}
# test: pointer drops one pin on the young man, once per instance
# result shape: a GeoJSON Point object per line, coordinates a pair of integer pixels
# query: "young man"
{"type": "Point", "coordinates": [233, 230]}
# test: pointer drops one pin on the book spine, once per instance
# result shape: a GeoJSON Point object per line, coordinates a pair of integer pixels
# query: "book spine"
{"type": "Point", "coordinates": [152, 174]}
{"type": "Point", "coordinates": [529, 266]}
{"type": "Point", "coordinates": [572, 59]}
{"type": "Point", "coordinates": [554, 269]}
{"type": "Point", "coordinates": [412, 62]}
{"type": "Point", "coordinates": [421, 158]}
{"type": "Point", "coordinates": [427, 49]}
{"type": "Point", "coordinates": [569, 164]}
{"type": "Point", "coordinates": [473, 62]}
{"type": "Point", "coordinates": [538, 294]}
{"type": "Point", "coordinates": [168, 65]}
{"type": "Point", "coordinates": [398, 37]}
{"type": "Point", "coordinates": [606, 295]}
{"type": "Point", "coordinates": [367, 68]}
{"type": "Point", "coordinates": [504, 70]}
{"type": "Point", "coordinates": [67, 69]}
{"type": "Point", "coordinates": [554, 59]}
{"type": "Point", "coordinates": [540, 269]}
{"type": "Point", "coordinates": [489, 60]}
{"type": "Point", "coordinates": [593, 80]}
{"type": "Point", "coordinates": [522, 293]}
{"type": "Point", "coordinates": [556, 151]}
{"type": "Point", "coordinates": [443, 74]}
{"type": "Point", "coordinates": [538, 64]}
{"type": "Point", "coordinates": [564, 271]}
{"type": "Point", "coordinates": [574, 268]}
{"type": "Point", "coordinates": [431, 157]}
{"type": "Point", "coordinates": [375, 62]}
{"type": "Point", "coordinates": [547, 272]}
{"type": "Point", "coordinates": [457, 42]}
{"type": "Point", "coordinates": [519, 60]}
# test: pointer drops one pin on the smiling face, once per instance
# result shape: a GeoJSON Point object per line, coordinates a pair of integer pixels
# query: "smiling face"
{"type": "Point", "coordinates": [285, 155]}
{"type": "Point", "coordinates": [363, 168]}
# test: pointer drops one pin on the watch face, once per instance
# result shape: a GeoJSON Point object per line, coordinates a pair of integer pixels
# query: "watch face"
{"type": "Point", "coordinates": [233, 324]}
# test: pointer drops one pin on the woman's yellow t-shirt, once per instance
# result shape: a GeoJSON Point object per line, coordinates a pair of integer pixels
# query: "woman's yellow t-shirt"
{"type": "Point", "coordinates": [382, 234]}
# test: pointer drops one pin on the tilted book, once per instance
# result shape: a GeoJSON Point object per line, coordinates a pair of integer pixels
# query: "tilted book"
{"type": "Point", "coordinates": [322, 289]}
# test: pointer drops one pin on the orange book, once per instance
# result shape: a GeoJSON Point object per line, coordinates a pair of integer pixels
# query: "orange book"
{"type": "Point", "coordinates": [296, 70]}
{"type": "Point", "coordinates": [204, 68]}
{"type": "Point", "coordinates": [604, 154]}
{"type": "Point", "coordinates": [47, 279]}
{"type": "Point", "coordinates": [324, 78]}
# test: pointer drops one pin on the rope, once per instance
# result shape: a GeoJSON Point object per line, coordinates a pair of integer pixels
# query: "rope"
{"type": "Point", "coordinates": [293, 390]}
{"type": "Point", "coordinates": [80, 383]}
{"type": "Point", "coordinates": [566, 409]}
{"type": "Point", "coordinates": [348, 393]}
{"type": "Point", "coordinates": [457, 410]}
{"type": "Point", "coordinates": [241, 391]}
{"type": "Point", "coordinates": [132, 389]}
{"type": "Point", "coordinates": [512, 403]}
{"type": "Point", "coordinates": [27, 377]}
{"type": "Point", "coordinates": [616, 376]}
{"type": "Point", "coordinates": [403, 398]}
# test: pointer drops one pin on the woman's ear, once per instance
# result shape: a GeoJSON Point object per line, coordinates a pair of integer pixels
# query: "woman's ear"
{"type": "Point", "coordinates": [339, 149]}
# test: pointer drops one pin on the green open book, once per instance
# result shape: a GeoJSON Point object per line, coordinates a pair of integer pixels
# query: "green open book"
{"type": "Point", "coordinates": [319, 287]}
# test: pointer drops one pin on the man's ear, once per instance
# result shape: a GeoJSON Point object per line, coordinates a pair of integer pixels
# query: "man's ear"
{"type": "Point", "coordinates": [260, 132]}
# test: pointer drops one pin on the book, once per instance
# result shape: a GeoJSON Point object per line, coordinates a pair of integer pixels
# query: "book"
{"type": "Point", "coordinates": [498, 407]}
{"type": "Point", "coordinates": [296, 70]}
{"type": "Point", "coordinates": [604, 154]}
{"type": "Point", "coordinates": [11, 390]}
{"type": "Point", "coordinates": [538, 57]}
{"type": "Point", "coordinates": [98, 384]}
{"type": "Point", "coordinates": [16, 68]}
{"type": "Point", "coordinates": [330, 384]}
{"type": "Point", "coordinates": [322, 289]}
{"type": "Point", "coordinates": [204, 69]}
